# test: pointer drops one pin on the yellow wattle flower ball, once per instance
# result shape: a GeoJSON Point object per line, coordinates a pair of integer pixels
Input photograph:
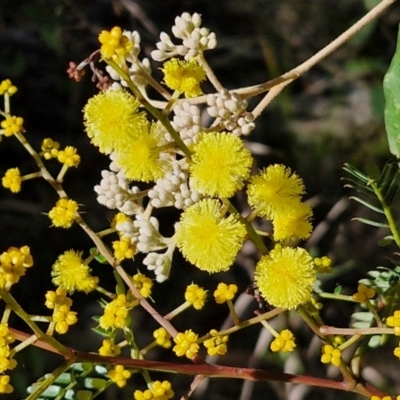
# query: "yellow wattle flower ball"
{"type": "Point", "coordinates": [208, 239]}
{"type": "Point", "coordinates": [285, 277]}
{"type": "Point", "coordinates": [220, 164]}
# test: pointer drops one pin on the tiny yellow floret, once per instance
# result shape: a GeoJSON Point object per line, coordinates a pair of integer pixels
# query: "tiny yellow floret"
{"type": "Point", "coordinates": [158, 391]}
{"type": "Point", "coordinates": [364, 293]}
{"type": "Point", "coordinates": [184, 76]}
{"type": "Point", "coordinates": [186, 344]}
{"type": "Point", "coordinates": [12, 180]}
{"type": "Point", "coordinates": [225, 292]}
{"type": "Point", "coordinates": [143, 283]}
{"type": "Point", "coordinates": [5, 386]}
{"type": "Point", "coordinates": [285, 342]}
{"type": "Point", "coordinates": [49, 149]}
{"type": "Point", "coordinates": [13, 264]}
{"type": "Point", "coordinates": [124, 248]}
{"type": "Point", "coordinates": [108, 348]}
{"type": "Point", "coordinates": [69, 157]}
{"type": "Point", "coordinates": [323, 265]}
{"type": "Point", "coordinates": [114, 44]}
{"type": "Point", "coordinates": [7, 87]}
{"type": "Point", "coordinates": [64, 317]}
{"type": "Point", "coordinates": [119, 375]}
{"type": "Point", "coordinates": [196, 295]}
{"type": "Point", "coordinates": [62, 214]}
{"type": "Point", "coordinates": [217, 344]}
{"type": "Point", "coordinates": [394, 322]}
{"type": "Point", "coordinates": [331, 355]}
{"type": "Point", "coordinates": [162, 337]}
{"type": "Point", "coordinates": [12, 125]}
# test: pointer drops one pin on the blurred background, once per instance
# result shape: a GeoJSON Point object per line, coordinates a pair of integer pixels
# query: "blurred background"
{"type": "Point", "coordinates": [332, 115]}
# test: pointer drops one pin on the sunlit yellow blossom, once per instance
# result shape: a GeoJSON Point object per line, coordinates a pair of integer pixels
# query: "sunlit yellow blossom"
{"type": "Point", "coordinates": [12, 125]}
{"type": "Point", "coordinates": [363, 293]}
{"type": "Point", "coordinates": [274, 190]}
{"type": "Point", "coordinates": [144, 158]}
{"type": "Point", "coordinates": [284, 342]}
{"type": "Point", "coordinates": [71, 273]}
{"type": "Point", "coordinates": [49, 148]}
{"type": "Point", "coordinates": [163, 338]}
{"type": "Point", "coordinates": [196, 295]}
{"type": "Point", "coordinates": [186, 344]}
{"type": "Point", "coordinates": [114, 43]}
{"type": "Point", "coordinates": [62, 215]}
{"type": "Point", "coordinates": [293, 223]}
{"type": "Point", "coordinates": [108, 348]}
{"type": "Point", "coordinates": [12, 180]}
{"type": "Point", "coordinates": [69, 157]}
{"type": "Point", "coordinates": [208, 239]}
{"type": "Point", "coordinates": [217, 344]}
{"type": "Point", "coordinates": [116, 313]}
{"type": "Point", "coordinates": [220, 164]}
{"type": "Point", "coordinates": [7, 86]}
{"type": "Point", "coordinates": [112, 120]}
{"type": "Point", "coordinates": [184, 76]}
{"type": "Point", "coordinates": [6, 361]}
{"type": "Point", "coordinates": [323, 264]}
{"type": "Point", "coordinates": [64, 317]}
{"type": "Point", "coordinates": [5, 386]}
{"type": "Point", "coordinates": [225, 292]}
{"type": "Point", "coordinates": [6, 337]}
{"type": "Point", "coordinates": [143, 283]}
{"type": "Point", "coordinates": [124, 248]}
{"type": "Point", "coordinates": [57, 298]}
{"type": "Point", "coordinates": [13, 264]}
{"type": "Point", "coordinates": [331, 355]}
{"type": "Point", "coordinates": [119, 375]}
{"type": "Point", "coordinates": [158, 391]}
{"type": "Point", "coordinates": [394, 322]}
{"type": "Point", "coordinates": [285, 277]}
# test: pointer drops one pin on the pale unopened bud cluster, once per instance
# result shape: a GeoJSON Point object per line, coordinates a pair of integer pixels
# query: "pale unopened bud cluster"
{"type": "Point", "coordinates": [195, 39]}
{"type": "Point", "coordinates": [187, 122]}
{"type": "Point", "coordinates": [160, 263]}
{"type": "Point", "coordinates": [173, 190]}
{"type": "Point", "coordinates": [230, 108]}
{"type": "Point", "coordinates": [114, 193]}
{"type": "Point", "coordinates": [149, 238]}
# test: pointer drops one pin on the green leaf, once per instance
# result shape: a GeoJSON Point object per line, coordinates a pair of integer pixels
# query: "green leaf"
{"type": "Point", "coordinates": [375, 341]}
{"type": "Point", "coordinates": [386, 241]}
{"type": "Point", "coordinates": [369, 222]}
{"type": "Point", "coordinates": [99, 258]}
{"type": "Point", "coordinates": [391, 85]}
{"type": "Point", "coordinates": [366, 204]}
{"type": "Point", "coordinates": [337, 289]}
{"type": "Point", "coordinates": [362, 316]}
{"type": "Point", "coordinates": [373, 171]}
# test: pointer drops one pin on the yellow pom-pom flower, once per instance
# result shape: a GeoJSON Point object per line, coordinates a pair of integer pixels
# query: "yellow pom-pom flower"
{"type": "Point", "coordinates": [331, 355]}
{"type": "Point", "coordinates": [119, 375]}
{"type": "Point", "coordinates": [158, 391]}
{"type": "Point", "coordinates": [12, 180]}
{"type": "Point", "coordinates": [70, 273]}
{"type": "Point", "coordinates": [69, 157]}
{"type": "Point", "coordinates": [225, 292]}
{"type": "Point", "coordinates": [220, 164]}
{"type": "Point", "coordinates": [293, 223]}
{"type": "Point", "coordinates": [7, 87]}
{"type": "Point", "coordinates": [143, 283]}
{"type": "Point", "coordinates": [144, 158]}
{"type": "Point", "coordinates": [196, 295]}
{"type": "Point", "coordinates": [62, 214]}
{"type": "Point", "coordinates": [184, 76]}
{"type": "Point", "coordinates": [186, 344]}
{"type": "Point", "coordinates": [284, 342]}
{"type": "Point", "coordinates": [112, 120]}
{"type": "Point", "coordinates": [124, 248]}
{"type": "Point", "coordinates": [12, 125]}
{"type": "Point", "coordinates": [274, 190]}
{"type": "Point", "coordinates": [364, 293]}
{"type": "Point", "coordinates": [114, 43]}
{"type": "Point", "coordinates": [207, 239]}
{"type": "Point", "coordinates": [285, 277]}
{"type": "Point", "coordinates": [162, 337]}
{"type": "Point", "coordinates": [115, 313]}
{"type": "Point", "coordinates": [217, 344]}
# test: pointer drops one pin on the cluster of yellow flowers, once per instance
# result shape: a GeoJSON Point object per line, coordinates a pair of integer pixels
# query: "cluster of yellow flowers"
{"type": "Point", "coordinates": [13, 265]}
{"type": "Point", "coordinates": [6, 360]}
{"type": "Point", "coordinates": [116, 312]}
{"type": "Point", "coordinates": [158, 391]}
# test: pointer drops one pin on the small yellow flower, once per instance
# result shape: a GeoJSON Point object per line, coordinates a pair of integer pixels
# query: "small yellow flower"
{"type": "Point", "coordinates": [186, 344]}
{"type": "Point", "coordinates": [5, 386]}
{"type": "Point", "coordinates": [63, 213]}
{"type": "Point", "coordinates": [394, 322]}
{"type": "Point", "coordinates": [331, 355]}
{"type": "Point", "coordinates": [207, 239]}
{"type": "Point", "coordinates": [13, 264]}
{"type": "Point", "coordinates": [163, 338]}
{"type": "Point", "coordinates": [69, 157]}
{"type": "Point", "coordinates": [217, 344]}
{"type": "Point", "coordinates": [112, 120]}
{"type": "Point", "coordinates": [143, 283]}
{"type": "Point", "coordinates": [184, 76]}
{"type": "Point", "coordinates": [70, 273]}
{"type": "Point", "coordinates": [285, 277]}
{"type": "Point", "coordinates": [196, 296]}
{"type": "Point", "coordinates": [119, 375]}
{"type": "Point", "coordinates": [224, 292]}
{"type": "Point", "coordinates": [274, 190]}
{"type": "Point", "coordinates": [158, 391]}
{"type": "Point", "coordinates": [124, 248]}
{"type": "Point", "coordinates": [115, 313]}
{"type": "Point", "coordinates": [323, 264]}
{"type": "Point", "coordinates": [7, 86]}
{"type": "Point", "coordinates": [114, 43]}
{"type": "Point", "coordinates": [144, 158]}
{"type": "Point", "coordinates": [12, 125]}
{"type": "Point", "coordinates": [12, 180]}
{"type": "Point", "coordinates": [108, 348]}
{"type": "Point", "coordinates": [64, 317]}
{"type": "Point", "coordinates": [220, 164]}
{"type": "Point", "coordinates": [6, 337]}
{"type": "Point", "coordinates": [57, 298]}
{"type": "Point", "coordinates": [364, 293]}
{"type": "Point", "coordinates": [49, 148]}
{"type": "Point", "coordinates": [284, 342]}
